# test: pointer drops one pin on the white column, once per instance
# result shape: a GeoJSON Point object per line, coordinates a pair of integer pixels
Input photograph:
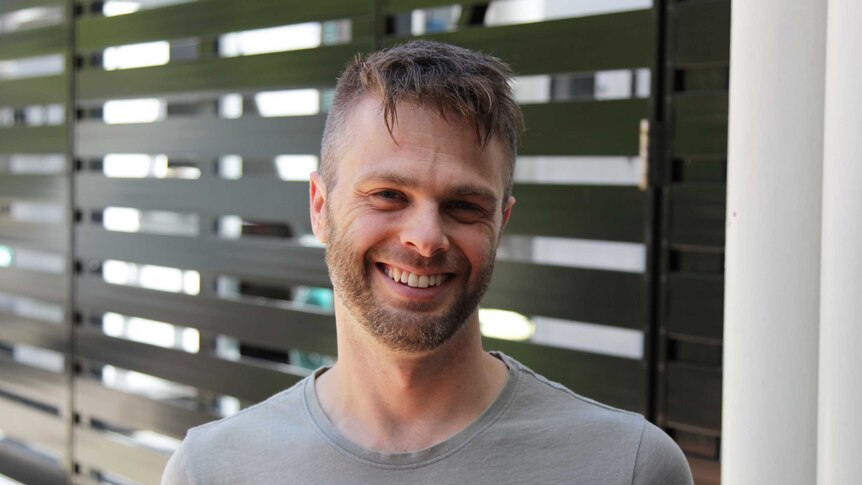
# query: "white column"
{"type": "Point", "coordinates": [775, 149]}
{"type": "Point", "coordinates": [840, 422]}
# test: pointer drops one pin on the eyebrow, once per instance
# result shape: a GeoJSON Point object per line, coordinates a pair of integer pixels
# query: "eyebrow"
{"type": "Point", "coordinates": [462, 190]}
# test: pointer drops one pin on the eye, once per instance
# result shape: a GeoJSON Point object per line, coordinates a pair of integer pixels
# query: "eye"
{"type": "Point", "coordinates": [461, 205]}
{"type": "Point", "coordinates": [388, 195]}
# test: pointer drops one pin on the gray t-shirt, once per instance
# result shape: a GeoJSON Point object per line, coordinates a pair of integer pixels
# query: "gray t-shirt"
{"type": "Point", "coordinates": [536, 431]}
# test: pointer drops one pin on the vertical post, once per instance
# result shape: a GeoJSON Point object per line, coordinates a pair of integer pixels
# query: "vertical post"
{"type": "Point", "coordinates": [839, 460]}
{"type": "Point", "coordinates": [772, 293]}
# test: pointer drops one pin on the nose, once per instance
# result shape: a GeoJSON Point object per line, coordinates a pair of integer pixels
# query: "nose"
{"type": "Point", "coordinates": [423, 232]}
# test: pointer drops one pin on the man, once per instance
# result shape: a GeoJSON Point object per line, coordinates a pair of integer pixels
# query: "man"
{"type": "Point", "coordinates": [413, 193]}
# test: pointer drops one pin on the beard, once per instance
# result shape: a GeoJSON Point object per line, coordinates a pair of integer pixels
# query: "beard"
{"type": "Point", "coordinates": [412, 326]}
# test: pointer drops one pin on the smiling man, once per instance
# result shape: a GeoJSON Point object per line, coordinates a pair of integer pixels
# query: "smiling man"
{"type": "Point", "coordinates": [412, 197]}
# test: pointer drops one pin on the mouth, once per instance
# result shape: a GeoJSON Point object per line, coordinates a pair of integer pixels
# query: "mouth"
{"type": "Point", "coordinates": [413, 280]}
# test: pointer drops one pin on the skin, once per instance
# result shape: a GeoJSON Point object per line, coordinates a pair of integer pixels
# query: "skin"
{"type": "Point", "coordinates": [431, 203]}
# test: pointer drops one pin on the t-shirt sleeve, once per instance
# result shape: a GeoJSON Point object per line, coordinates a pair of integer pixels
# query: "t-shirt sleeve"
{"type": "Point", "coordinates": [175, 471]}
{"type": "Point", "coordinates": [659, 460]}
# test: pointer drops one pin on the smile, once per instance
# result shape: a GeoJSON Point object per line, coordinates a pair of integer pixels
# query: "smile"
{"type": "Point", "coordinates": [414, 280]}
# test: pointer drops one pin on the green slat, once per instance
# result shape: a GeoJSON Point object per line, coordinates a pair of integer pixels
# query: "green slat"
{"type": "Point", "coordinates": [208, 18]}
{"type": "Point", "coordinates": [34, 235]}
{"type": "Point", "coordinates": [32, 425]}
{"type": "Point", "coordinates": [42, 187]}
{"type": "Point", "coordinates": [584, 128]}
{"type": "Point", "coordinates": [13, 5]}
{"type": "Point", "coordinates": [32, 383]}
{"type": "Point", "coordinates": [586, 295]}
{"type": "Point", "coordinates": [698, 215]}
{"type": "Point", "coordinates": [39, 90]}
{"type": "Point", "coordinates": [700, 124]}
{"type": "Point", "coordinates": [694, 396]}
{"type": "Point", "coordinates": [42, 286]}
{"type": "Point", "coordinates": [703, 32]}
{"type": "Point", "coordinates": [611, 41]}
{"type": "Point", "coordinates": [33, 42]}
{"type": "Point", "coordinates": [396, 6]}
{"type": "Point", "coordinates": [613, 213]}
{"type": "Point", "coordinates": [38, 139]}
{"type": "Point", "coordinates": [695, 306]}
{"type": "Point", "coordinates": [612, 380]}
{"type": "Point", "coordinates": [282, 70]}
{"type": "Point", "coordinates": [17, 329]}
{"type": "Point", "coordinates": [101, 452]}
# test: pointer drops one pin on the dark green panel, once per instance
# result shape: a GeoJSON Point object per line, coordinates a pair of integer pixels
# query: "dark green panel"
{"type": "Point", "coordinates": [584, 128]}
{"type": "Point", "coordinates": [210, 17]}
{"type": "Point", "coordinates": [39, 139]}
{"type": "Point", "coordinates": [612, 41]}
{"type": "Point", "coordinates": [267, 199]}
{"type": "Point", "coordinates": [43, 187]}
{"type": "Point", "coordinates": [697, 215]}
{"type": "Point", "coordinates": [703, 32]}
{"type": "Point", "coordinates": [612, 380]}
{"type": "Point", "coordinates": [294, 69]}
{"type": "Point", "coordinates": [133, 411]}
{"type": "Point", "coordinates": [18, 329]}
{"type": "Point", "coordinates": [586, 295]}
{"type": "Point", "coordinates": [694, 396]}
{"type": "Point", "coordinates": [33, 42]}
{"type": "Point", "coordinates": [613, 213]}
{"type": "Point", "coordinates": [248, 136]}
{"type": "Point", "coordinates": [262, 260]}
{"type": "Point", "coordinates": [42, 286]}
{"type": "Point", "coordinates": [700, 125]}
{"type": "Point", "coordinates": [262, 324]}
{"type": "Point", "coordinates": [38, 90]}
{"type": "Point", "coordinates": [245, 381]}
{"type": "Point", "coordinates": [695, 306]}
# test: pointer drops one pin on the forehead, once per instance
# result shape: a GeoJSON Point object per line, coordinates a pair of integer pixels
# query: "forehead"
{"type": "Point", "coordinates": [422, 140]}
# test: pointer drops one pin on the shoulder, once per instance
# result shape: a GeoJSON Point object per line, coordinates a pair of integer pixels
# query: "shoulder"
{"type": "Point", "coordinates": [246, 437]}
{"type": "Point", "coordinates": [660, 460]}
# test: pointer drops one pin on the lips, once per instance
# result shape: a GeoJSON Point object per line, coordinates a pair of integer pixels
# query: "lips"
{"type": "Point", "coordinates": [414, 280]}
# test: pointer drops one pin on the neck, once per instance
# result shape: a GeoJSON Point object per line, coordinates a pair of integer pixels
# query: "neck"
{"type": "Point", "coordinates": [394, 401]}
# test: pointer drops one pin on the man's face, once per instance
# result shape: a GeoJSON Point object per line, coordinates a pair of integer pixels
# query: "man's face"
{"type": "Point", "coordinates": [426, 212]}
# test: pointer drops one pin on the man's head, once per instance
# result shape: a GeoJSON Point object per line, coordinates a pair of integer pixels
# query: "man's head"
{"type": "Point", "coordinates": [415, 190]}
{"type": "Point", "coordinates": [451, 80]}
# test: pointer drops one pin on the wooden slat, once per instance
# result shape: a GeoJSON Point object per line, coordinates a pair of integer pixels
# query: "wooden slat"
{"type": "Point", "coordinates": [267, 199]}
{"type": "Point", "coordinates": [242, 380]}
{"type": "Point", "coordinates": [605, 297]}
{"type": "Point", "coordinates": [21, 330]}
{"type": "Point", "coordinates": [42, 286]}
{"type": "Point", "coordinates": [697, 215]}
{"type": "Point", "coordinates": [610, 41]}
{"type": "Point", "coordinates": [133, 411]}
{"type": "Point", "coordinates": [612, 213]}
{"type": "Point", "coordinates": [612, 380]}
{"type": "Point", "coordinates": [32, 425]}
{"type": "Point", "coordinates": [268, 325]}
{"type": "Point", "coordinates": [694, 396]}
{"type": "Point", "coordinates": [262, 260]}
{"type": "Point", "coordinates": [42, 187]}
{"type": "Point", "coordinates": [703, 33]}
{"type": "Point", "coordinates": [584, 127]}
{"type": "Point", "coordinates": [38, 90]}
{"type": "Point", "coordinates": [118, 456]}
{"type": "Point", "coordinates": [295, 69]}
{"type": "Point", "coordinates": [700, 125]}
{"type": "Point", "coordinates": [210, 17]}
{"type": "Point", "coordinates": [249, 136]}
{"type": "Point", "coordinates": [695, 306]}
{"type": "Point", "coordinates": [35, 384]}
{"type": "Point", "coordinates": [33, 42]}
{"type": "Point", "coordinates": [26, 466]}
{"type": "Point", "coordinates": [36, 139]}
{"type": "Point", "coordinates": [34, 235]}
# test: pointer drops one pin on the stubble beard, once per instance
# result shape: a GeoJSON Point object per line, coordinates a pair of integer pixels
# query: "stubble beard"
{"type": "Point", "coordinates": [411, 328]}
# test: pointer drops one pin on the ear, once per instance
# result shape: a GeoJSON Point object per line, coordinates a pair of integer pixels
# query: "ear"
{"type": "Point", "coordinates": [317, 206]}
{"type": "Point", "coordinates": [507, 211]}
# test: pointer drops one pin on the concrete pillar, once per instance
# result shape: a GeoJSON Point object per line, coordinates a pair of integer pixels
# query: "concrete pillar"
{"type": "Point", "coordinates": [775, 149]}
{"type": "Point", "coordinates": [840, 423]}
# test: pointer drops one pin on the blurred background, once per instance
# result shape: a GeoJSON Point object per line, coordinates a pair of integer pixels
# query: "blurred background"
{"type": "Point", "coordinates": [157, 267]}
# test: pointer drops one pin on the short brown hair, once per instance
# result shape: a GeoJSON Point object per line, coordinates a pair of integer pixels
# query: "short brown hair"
{"type": "Point", "coordinates": [453, 80]}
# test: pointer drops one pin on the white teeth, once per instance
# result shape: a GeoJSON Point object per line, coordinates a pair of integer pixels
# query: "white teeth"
{"type": "Point", "coordinates": [413, 280]}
